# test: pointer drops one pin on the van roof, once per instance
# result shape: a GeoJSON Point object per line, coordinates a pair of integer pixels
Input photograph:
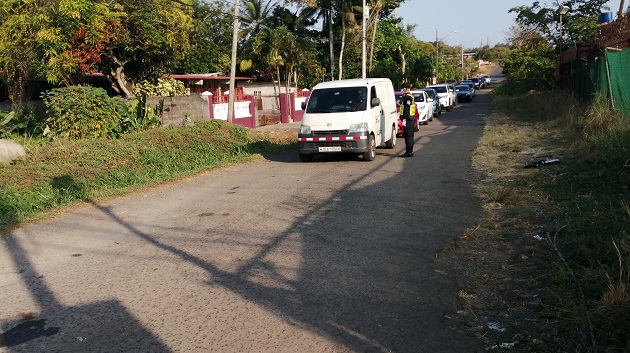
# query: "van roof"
{"type": "Point", "coordinates": [353, 82]}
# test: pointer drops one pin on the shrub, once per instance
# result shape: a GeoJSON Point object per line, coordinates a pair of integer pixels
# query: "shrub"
{"type": "Point", "coordinates": [83, 111]}
{"type": "Point", "coordinates": [140, 116]}
{"type": "Point", "coordinates": [165, 87]}
{"type": "Point", "coordinates": [25, 123]}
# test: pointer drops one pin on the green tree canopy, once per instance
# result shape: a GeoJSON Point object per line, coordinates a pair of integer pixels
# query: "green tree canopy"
{"type": "Point", "coordinates": [148, 42]}
{"type": "Point", "coordinates": [579, 23]}
{"type": "Point", "coordinates": [210, 40]}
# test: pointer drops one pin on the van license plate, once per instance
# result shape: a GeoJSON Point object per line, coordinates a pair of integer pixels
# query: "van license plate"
{"type": "Point", "coordinates": [330, 149]}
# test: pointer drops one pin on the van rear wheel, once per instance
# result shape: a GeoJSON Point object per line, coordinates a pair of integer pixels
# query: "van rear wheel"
{"type": "Point", "coordinates": [392, 141]}
{"type": "Point", "coordinates": [370, 154]}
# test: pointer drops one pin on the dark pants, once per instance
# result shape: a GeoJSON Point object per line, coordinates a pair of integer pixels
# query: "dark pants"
{"type": "Point", "coordinates": [408, 134]}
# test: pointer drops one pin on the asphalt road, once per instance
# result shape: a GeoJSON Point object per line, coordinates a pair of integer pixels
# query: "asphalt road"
{"type": "Point", "coordinates": [337, 255]}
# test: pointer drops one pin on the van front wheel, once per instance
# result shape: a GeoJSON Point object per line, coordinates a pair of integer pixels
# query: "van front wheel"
{"type": "Point", "coordinates": [370, 154]}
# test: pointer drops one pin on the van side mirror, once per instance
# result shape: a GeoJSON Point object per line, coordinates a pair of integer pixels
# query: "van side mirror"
{"type": "Point", "coordinates": [375, 102]}
{"type": "Point", "coordinates": [303, 105]}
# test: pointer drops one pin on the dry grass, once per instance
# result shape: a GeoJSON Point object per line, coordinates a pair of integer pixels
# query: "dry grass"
{"type": "Point", "coordinates": [569, 292]}
{"type": "Point", "coordinates": [486, 69]}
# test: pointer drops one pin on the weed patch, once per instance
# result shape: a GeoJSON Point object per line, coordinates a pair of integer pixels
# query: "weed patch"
{"type": "Point", "coordinates": [552, 254]}
{"type": "Point", "coordinates": [64, 172]}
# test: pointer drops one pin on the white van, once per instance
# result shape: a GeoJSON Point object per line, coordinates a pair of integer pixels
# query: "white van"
{"type": "Point", "coordinates": [348, 116]}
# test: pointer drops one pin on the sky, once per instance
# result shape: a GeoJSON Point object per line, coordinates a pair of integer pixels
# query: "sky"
{"type": "Point", "coordinates": [476, 22]}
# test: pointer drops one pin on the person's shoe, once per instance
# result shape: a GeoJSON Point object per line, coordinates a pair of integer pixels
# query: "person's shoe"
{"type": "Point", "coordinates": [407, 154]}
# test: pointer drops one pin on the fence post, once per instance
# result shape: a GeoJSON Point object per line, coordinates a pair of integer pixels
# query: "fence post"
{"type": "Point", "coordinates": [252, 110]}
{"type": "Point", "coordinates": [209, 96]}
{"type": "Point", "coordinates": [284, 111]}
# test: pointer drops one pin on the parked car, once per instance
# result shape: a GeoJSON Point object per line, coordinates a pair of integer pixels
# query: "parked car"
{"type": "Point", "coordinates": [464, 93]}
{"type": "Point", "coordinates": [423, 106]}
{"type": "Point", "coordinates": [446, 94]}
{"type": "Point", "coordinates": [401, 128]}
{"type": "Point", "coordinates": [477, 81]}
{"type": "Point", "coordinates": [471, 84]}
{"type": "Point", "coordinates": [486, 79]}
{"type": "Point", "coordinates": [433, 96]}
{"type": "Point", "coordinates": [451, 88]}
{"type": "Point", "coordinates": [452, 82]}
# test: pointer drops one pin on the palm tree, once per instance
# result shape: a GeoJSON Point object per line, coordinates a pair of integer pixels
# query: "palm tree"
{"type": "Point", "coordinates": [274, 45]}
{"type": "Point", "coordinates": [255, 15]}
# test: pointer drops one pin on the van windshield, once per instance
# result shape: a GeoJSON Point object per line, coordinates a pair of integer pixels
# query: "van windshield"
{"type": "Point", "coordinates": [342, 99]}
{"type": "Point", "coordinates": [440, 89]}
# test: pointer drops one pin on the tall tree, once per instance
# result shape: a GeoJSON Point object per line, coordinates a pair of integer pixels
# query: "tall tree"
{"type": "Point", "coordinates": [19, 23]}
{"type": "Point", "coordinates": [303, 65]}
{"type": "Point", "coordinates": [72, 38]}
{"type": "Point", "coordinates": [210, 42]}
{"type": "Point", "coordinates": [255, 15]}
{"type": "Point", "coordinates": [147, 43]}
{"type": "Point", "coordinates": [274, 46]}
{"type": "Point", "coordinates": [579, 24]}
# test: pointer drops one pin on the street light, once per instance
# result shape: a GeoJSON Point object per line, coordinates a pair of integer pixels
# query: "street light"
{"type": "Point", "coordinates": [562, 11]}
{"type": "Point", "coordinates": [437, 51]}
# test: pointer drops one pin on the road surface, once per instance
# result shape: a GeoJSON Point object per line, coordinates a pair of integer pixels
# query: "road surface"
{"type": "Point", "coordinates": [337, 255]}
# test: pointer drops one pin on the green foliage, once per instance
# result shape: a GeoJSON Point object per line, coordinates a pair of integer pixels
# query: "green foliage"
{"type": "Point", "coordinates": [150, 41]}
{"type": "Point", "coordinates": [72, 38]}
{"type": "Point", "coordinates": [531, 67]}
{"type": "Point", "coordinates": [210, 42]}
{"type": "Point", "coordinates": [494, 54]}
{"type": "Point", "coordinates": [19, 20]}
{"type": "Point", "coordinates": [389, 38]}
{"type": "Point", "coordinates": [83, 112]}
{"type": "Point", "coordinates": [140, 116]}
{"type": "Point", "coordinates": [579, 25]}
{"type": "Point", "coordinates": [25, 123]}
{"type": "Point", "coordinates": [6, 127]}
{"type": "Point", "coordinates": [165, 87]}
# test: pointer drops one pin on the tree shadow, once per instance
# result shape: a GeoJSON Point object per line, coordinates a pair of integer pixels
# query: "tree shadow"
{"type": "Point", "coordinates": [102, 326]}
{"type": "Point", "coordinates": [366, 280]}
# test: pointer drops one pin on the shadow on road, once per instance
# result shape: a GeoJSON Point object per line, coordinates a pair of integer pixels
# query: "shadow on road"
{"type": "Point", "coordinates": [367, 280]}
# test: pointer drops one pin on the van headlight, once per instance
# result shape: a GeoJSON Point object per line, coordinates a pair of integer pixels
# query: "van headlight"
{"type": "Point", "coordinates": [305, 130]}
{"type": "Point", "coordinates": [354, 128]}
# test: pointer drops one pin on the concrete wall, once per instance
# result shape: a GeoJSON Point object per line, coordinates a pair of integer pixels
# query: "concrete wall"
{"type": "Point", "coordinates": [177, 109]}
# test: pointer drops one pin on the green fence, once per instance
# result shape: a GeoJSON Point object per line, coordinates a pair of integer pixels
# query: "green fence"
{"type": "Point", "coordinates": [608, 75]}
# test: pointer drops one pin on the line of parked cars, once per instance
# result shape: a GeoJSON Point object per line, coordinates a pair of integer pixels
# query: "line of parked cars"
{"type": "Point", "coordinates": [432, 100]}
{"type": "Point", "coordinates": [356, 116]}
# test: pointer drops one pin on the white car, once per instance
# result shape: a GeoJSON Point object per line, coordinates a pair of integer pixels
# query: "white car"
{"type": "Point", "coordinates": [447, 95]}
{"type": "Point", "coordinates": [424, 105]}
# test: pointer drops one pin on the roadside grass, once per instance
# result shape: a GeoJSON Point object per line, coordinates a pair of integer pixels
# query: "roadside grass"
{"type": "Point", "coordinates": [553, 250]}
{"type": "Point", "coordinates": [63, 173]}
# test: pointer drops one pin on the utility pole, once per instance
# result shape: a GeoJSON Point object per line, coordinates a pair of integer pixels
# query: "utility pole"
{"type": "Point", "coordinates": [232, 93]}
{"type": "Point", "coordinates": [363, 40]}
{"type": "Point", "coordinates": [436, 56]}
{"type": "Point", "coordinates": [462, 60]}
